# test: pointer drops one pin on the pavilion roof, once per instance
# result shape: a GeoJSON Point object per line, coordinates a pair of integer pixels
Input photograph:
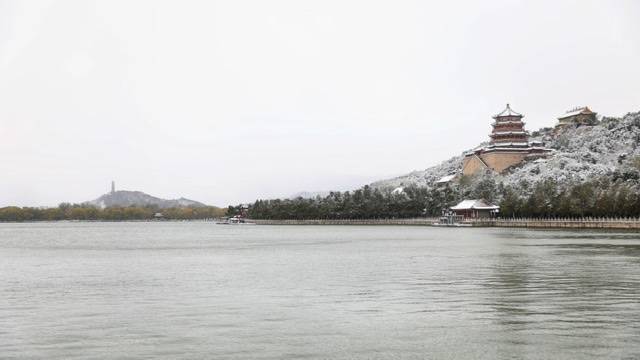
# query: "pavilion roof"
{"type": "Point", "coordinates": [580, 110]}
{"type": "Point", "coordinates": [507, 112]}
{"type": "Point", "coordinates": [475, 204]}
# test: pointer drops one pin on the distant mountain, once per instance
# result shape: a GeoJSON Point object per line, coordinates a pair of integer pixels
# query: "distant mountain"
{"type": "Point", "coordinates": [123, 198]}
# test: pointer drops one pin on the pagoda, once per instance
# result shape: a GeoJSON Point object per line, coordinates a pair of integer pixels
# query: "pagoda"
{"type": "Point", "coordinates": [509, 146]}
{"type": "Point", "coordinates": [508, 130]}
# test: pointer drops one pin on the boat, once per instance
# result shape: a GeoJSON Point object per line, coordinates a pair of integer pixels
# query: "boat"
{"type": "Point", "coordinates": [235, 220]}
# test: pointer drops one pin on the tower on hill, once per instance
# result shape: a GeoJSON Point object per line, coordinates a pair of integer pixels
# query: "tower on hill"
{"type": "Point", "coordinates": [508, 130]}
{"type": "Point", "coordinates": [509, 146]}
{"type": "Point", "coordinates": [113, 186]}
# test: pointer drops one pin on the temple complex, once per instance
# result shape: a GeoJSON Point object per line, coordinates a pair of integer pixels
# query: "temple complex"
{"type": "Point", "coordinates": [509, 146]}
{"type": "Point", "coordinates": [578, 116]}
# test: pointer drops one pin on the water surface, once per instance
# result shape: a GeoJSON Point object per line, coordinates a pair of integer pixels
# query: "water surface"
{"type": "Point", "coordinates": [197, 290]}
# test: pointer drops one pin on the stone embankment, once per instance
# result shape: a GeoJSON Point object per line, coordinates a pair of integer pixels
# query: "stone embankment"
{"type": "Point", "coordinates": [416, 221]}
{"type": "Point", "coordinates": [573, 223]}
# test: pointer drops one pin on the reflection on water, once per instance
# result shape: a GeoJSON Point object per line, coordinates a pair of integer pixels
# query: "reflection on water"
{"type": "Point", "coordinates": [196, 290]}
{"type": "Point", "coordinates": [582, 296]}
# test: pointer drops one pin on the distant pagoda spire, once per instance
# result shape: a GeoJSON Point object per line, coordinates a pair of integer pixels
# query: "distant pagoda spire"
{"type": "Point", "coordinates": [113, 186]}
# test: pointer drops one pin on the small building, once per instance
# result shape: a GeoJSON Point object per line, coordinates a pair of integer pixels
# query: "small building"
{"type": "Point", "coordinates": [578, 116]}
{"type": "Point", "coordinates": [446, 180]}
{"type": "Point", "coordinates": [475, 209]}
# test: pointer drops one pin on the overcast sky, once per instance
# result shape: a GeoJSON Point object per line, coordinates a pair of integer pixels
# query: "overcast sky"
{"type": "Point", "coordinates": [229, 101]}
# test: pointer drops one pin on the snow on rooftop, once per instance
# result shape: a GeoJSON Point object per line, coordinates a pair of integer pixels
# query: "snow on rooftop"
{"type": "Point", "coordinates": [508, 112]}
{"type": "Point", "coordinates": [509, 133]}
{"type": "Point", "coordinates": [510, 143]}
{"type": "Point", "coordinates": [446, 179]}
{"type": "Point", "coordinates": [476, 204]}
{"type": "Point", "coordinates": [576, 111]}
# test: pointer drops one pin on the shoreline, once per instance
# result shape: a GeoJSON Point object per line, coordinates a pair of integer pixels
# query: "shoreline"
{"type": "Point", "coordinates": [587, 223]}
{"type": "Point", "coordinates": [632, 224]}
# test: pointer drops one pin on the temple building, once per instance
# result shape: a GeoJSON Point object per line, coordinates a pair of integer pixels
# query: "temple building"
{"type": "Point", "coordinates": [475, 209]}
{"type": "Point", "coordinates": [578, 116]}
{"type": "Point", "coordinates": [509, 146]}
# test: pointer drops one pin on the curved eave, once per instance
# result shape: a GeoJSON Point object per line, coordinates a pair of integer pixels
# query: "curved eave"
{"type": "Point", "coordinates": [496, 117]}
{"type": "Point", "coordinates": [494, 124]}
{"type": "Point", "coordinates": [510, 133]}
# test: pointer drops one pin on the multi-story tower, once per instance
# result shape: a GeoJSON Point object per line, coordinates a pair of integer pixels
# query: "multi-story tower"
{"type": "Point", "coordinates": [508, 147]}
{"type": "Point", "coordinates": [508, 130]}
{"type": "Point", "coordinates": [113, 186]}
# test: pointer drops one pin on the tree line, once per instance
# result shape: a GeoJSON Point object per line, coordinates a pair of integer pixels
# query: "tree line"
{"type": "Point", "coordinates": [614, 196]}
{"type": "Point", "coordinates": [365, 203]}
{"type": "Point", "coordinates": [604, 197]}
{"type": "Point", "coordinates": [67, 211]}
{"type": "Point", "coordinates": [596, 198]}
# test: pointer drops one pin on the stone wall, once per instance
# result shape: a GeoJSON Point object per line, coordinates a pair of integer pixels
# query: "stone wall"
{"type": "Point", "coordinates": [497, 161]}
{"type": "Point", "coordinates": [471, 165]}
{"type": "Point", "coordinates": [603, 223]}
{"type": "Point", "coordinates": [416, 221]}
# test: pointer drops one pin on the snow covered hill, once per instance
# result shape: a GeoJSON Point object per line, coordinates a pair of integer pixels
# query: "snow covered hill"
{"type": "Point", "coordinates": [609, 148]}
{"type": "Point", "coordinates": [137, 198]}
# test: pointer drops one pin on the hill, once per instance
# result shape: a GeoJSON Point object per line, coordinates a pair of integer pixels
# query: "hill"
{"type": "Point", "coordinates": [593, 170]}
{"type": "Point", "coordinates": [123, 198]}
{"type": "Point", "coordinates": [609, 149]}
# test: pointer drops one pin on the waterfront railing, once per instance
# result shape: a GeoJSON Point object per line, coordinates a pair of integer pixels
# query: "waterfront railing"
{"type": "Point", "coordinates": [526, 222]}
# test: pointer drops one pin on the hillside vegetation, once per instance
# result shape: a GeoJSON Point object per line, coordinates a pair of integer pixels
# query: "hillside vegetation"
{"type": "Point", "coordinates": [582, 153]}
{"type": "Point", "coordinates": [593, 171]}
{"type": "Point", "coordinates": [88, 212]}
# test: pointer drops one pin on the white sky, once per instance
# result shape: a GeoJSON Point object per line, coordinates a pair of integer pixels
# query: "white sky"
{"type": "Point", "coordinates": [229, 101]}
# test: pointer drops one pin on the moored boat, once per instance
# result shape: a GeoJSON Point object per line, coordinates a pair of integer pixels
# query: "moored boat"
{"type": "Point", "coordinates": [235, 220]}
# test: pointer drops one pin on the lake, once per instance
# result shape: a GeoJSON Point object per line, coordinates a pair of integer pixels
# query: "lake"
{"type": "Point", "coordinates": [193, 290]}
